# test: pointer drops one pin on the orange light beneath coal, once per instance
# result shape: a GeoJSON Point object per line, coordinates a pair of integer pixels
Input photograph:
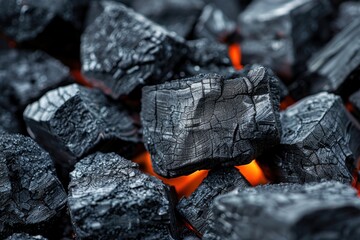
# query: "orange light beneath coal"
{"type": "Point", "coordinates": [253, 173]}
{"type": "Point", "coordinates": [235, 56]}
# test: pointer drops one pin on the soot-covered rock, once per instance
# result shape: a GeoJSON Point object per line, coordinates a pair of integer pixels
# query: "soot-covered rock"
{"type": "Point", "coordinates": [25, 236]}
{"type": "Point", "coordinates": [196, 208]}
{"type": "Point", "coordinates": [328, 210]}
{"type": "Point", "coordinates": [208, 121]}
{"type": "Point", "coordinates": [30, 193]}
{"type": "Point", "coordinates": [25, 76]}
{"type": "Point", "coordinates": [335, 68]}
{"type": "Point", "coordinates": [121, 50]}
{"type": "Point", "coordinates": [319, 142]}
{"type": "Point", "coordinates": [72, 121]}
{"type": "Point", "coordinates": [282, 34]}
{"type": "Point", "coordinates": [109, 197]}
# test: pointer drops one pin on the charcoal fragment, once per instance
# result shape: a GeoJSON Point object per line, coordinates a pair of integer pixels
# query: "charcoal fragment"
{"type": "Point", "coordinates": [122, 50]}
{"type": "Point", "coordinates": [30, 193]}
{"type": "Point", "coordinates": [196, 208]}
{"type": "Point", "coordinates": [319, 142]}
{"type": "Point", "coordinates": [72, 121]}
{"type": "Point", "coordinates": [25, 236]}
{"type": "Point", "coordinates": [110, 198]}
{"type": "Point", "coordinates": [328, 210]}
{"type": "Point", "coordinates": [208, 121]}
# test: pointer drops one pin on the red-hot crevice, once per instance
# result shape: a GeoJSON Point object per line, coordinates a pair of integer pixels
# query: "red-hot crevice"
{"type": "Point", "coordinates": [235, 55]}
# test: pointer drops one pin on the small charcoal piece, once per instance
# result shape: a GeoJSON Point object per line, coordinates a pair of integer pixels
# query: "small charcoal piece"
{"type": "Point", "coordinates": [328, 210]}
{"type": "Point", "coordinates": [196, 208]}
{"type": "Point", "coordinates": [122, 50]}
{"type": "Point", "coordinates": [348, 13]}
{"type": "Point", "coordinates": [336, 68]}
{"type": "Point", "coordinates": [25, 76]}
{"type": "Point", "coordinates": [208, 121]}
{"type": "Point", "coordinates": [72, 121]}
{"type": "Point", "coordinates": [109, 197]}
{"type": "Point", "coordinates": [30, 192]}
{"type": "Point", "coordinates": [319, 142]}
{"type": "Point", "coordinates": [25, 236]}
{"type": "Point", "coordinates": [282, 34]}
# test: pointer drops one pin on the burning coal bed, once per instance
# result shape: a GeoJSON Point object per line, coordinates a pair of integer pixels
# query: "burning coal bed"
{"type": "Point", "coordinates": [171, 119]}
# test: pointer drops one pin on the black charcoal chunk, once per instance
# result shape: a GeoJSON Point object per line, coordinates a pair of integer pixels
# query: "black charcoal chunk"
{"type": "Point", "coordinates": [25, 236]}
{"type": "Point", "coordinates": [25, 76]}
{"type": "Point", "coordinates": [328, 210]}
{"type": "Point", "coordinates": [72, 121]}
{"type": "Point", "coordinates": [110, 198]}
{"type": "Point", "coordinates": [208, 121]}
{"type": "Point", "coordinates": [319, 142]}
{"type": "Point", "coordinates": [282, 34]}
{"type": "Point", "coordinates": [335, 68]}
{"type": "Point", "coordinates": [122, 50]}
{"type": "Point", "coordinates": [196, 208]}
{"type": "Point", "coordinates": [349, 11]}
{"type": "Point", "coordinates": [30, 192]}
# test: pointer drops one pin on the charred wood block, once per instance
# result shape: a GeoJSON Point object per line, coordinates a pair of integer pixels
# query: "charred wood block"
{"type": "Point", "coordinates": [72, 121]}
{"type": "Point", "coordinates": [319, 142]}
{"type": "Point", "coordinates": [196, 208]}
{"type": "Point", "coordinates": [282, 34]}
{"type": "Point", "coordinates": [348, 13]}
{"type": "Point", "coordinates": [208, 121]}
{"type": "Point", "coordinates": [25, 236]}
{"type": "Point", "coordinates": [335, 68]}
{"type": "Point", "coordinates": [122, 50]}
{"type": "Point", "coordinates": [30, 192]}
{"type": "Point", "coordinates": [109, 197]}
{"type": "Point", "coordinates": [328, 210]}
{"type": "Point", "coordinates": [26, 76]}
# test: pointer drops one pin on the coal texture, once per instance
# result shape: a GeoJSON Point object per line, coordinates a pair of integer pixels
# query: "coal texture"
{"type": "Point", "coordinates": [319, 142]}
{"type": "Point", "coordinates": [208, 121]}
{"type": "Point", "coordinates": [196, 208]}
{"type": "Point", "coordinates": [30, 193]}
{"type": "Point", "coordinates": [110, 198]}
{"type": "Point", "coordinates": [328, 210]}
{"type": "Point", "coordinates": [122, 50]}
{"type": "Point", "coordinates": [24, 236]}
{"type": "Point", "coordinates": [72, 121]}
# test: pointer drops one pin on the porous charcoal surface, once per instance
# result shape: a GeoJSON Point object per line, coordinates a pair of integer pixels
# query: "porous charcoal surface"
{"type": "Point", "coordinates": [25, 236]}
{"type": "Point", "coordinates": [121, 50]}
{"type": "Point", "coordinates": [109, 197]}
{"type": "Point", "coordinates": [72, 121]}
{"type": "Point", "coordinates": [30, 193]}
{"type": "Point", "coordinates": [196, 208]}
{"type": "Point", "coordinates": [208, 121]}
{"type": "Point", "coordinates": [319, 142]}
{"type": "Point", "coordinates": [328, 210]}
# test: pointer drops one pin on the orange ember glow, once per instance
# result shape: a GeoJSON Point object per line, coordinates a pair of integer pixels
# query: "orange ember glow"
{"type": "Point", "coordinates": [253, 173]}
{"type": "Point", "coordinates": [286, 102]}
{"type": "Point", "coordinates": [79, 78]}
{"type": "Point", "coordinates": [235, 56]}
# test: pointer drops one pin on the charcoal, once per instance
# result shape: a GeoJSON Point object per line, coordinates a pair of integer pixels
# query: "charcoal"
{"type": "Point", "coordinates": [355, 102]}
{"type": "Point", "coordinates": [282, 34]}
{"type": "Point", "coordinates": [9, 121]}
{"type": "Point", "coordinates": [110, 198]}
{"type": "Point", "coordinates": [72, 121]}
{"type": "Point", "coordinates": [208, 121]}
{"type": "Point", "coordinates": [25, 76]}
{"type": "Point", "coordinates": [196, 208]}
{"type": "Point", "coordinates": [30, 194]}
{"type": "Point", "coordinates": [122, 50]}
{"type": "Point", "coordinates": [319, 142]}
{"type": "Point", "coordinates": [335, 68]}
{"type": "Point", "coordinates": [25, 236]}
{"type": "Point", "coordinates": [348, 12]}
{"type": "Point", "coordinates": [328, 210]}
{"type": "Point", "coordinates": [231, 8]}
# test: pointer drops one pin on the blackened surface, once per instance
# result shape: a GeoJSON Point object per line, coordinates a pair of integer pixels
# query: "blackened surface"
{"type": "Point", "coordinates": [121, 50]}
{"type": "Point", "coordinates": [196, 208]}
{"type": "Point", "coordinates": [110, 198]}
{"type": "Point", "coordinates": [319, 142]}
{"type": "Point", "coordinates": [208, 121]}
{"type": "Point", "coordinates": [71, 121]}
{"type": "Point", "coordinates": [24, 236]}
{"type": "Point", "coordinates": [328, 210]}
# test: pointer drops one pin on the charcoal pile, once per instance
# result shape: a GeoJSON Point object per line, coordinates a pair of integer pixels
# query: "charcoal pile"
{"type": "Point", "coordinates": [172, 119]}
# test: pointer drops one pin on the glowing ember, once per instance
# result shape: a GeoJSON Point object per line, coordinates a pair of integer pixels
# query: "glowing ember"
{"type": "Point", "coordinates": [288, 101]}
{"type": "Point", "coordinates": [253, 173]}
{"type": "Point", "coordinates": [235, 56]}
{"type": "Point", "coordinates": [79, 78]}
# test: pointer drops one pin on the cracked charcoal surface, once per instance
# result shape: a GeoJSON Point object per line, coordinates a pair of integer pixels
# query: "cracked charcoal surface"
{"type": "Point", "coordinates": [24, 236]}
{"type": "Point", "coordinates": [25, 76]}
{"type": "Point", "coordinates": [30, 193]}
{"type": "Point", "coordinates": [328, 210]}
{"type": "Point", "coordinates": [128, 50]}
{"type": "Point", "coordinates": [282, 34]}
{"type": "Point", "coordinates": [319, 142]}
{"type": "Point", "coordinates": [208, 121]}
{"type": "Point", "coordinates": [196, 208]}
{"type": "Point", "coordinates": [109, 197]}
{"type": "Point", "coordinates": [72, 121]}
{"type": "Point", "coordinates": [336, 67]}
